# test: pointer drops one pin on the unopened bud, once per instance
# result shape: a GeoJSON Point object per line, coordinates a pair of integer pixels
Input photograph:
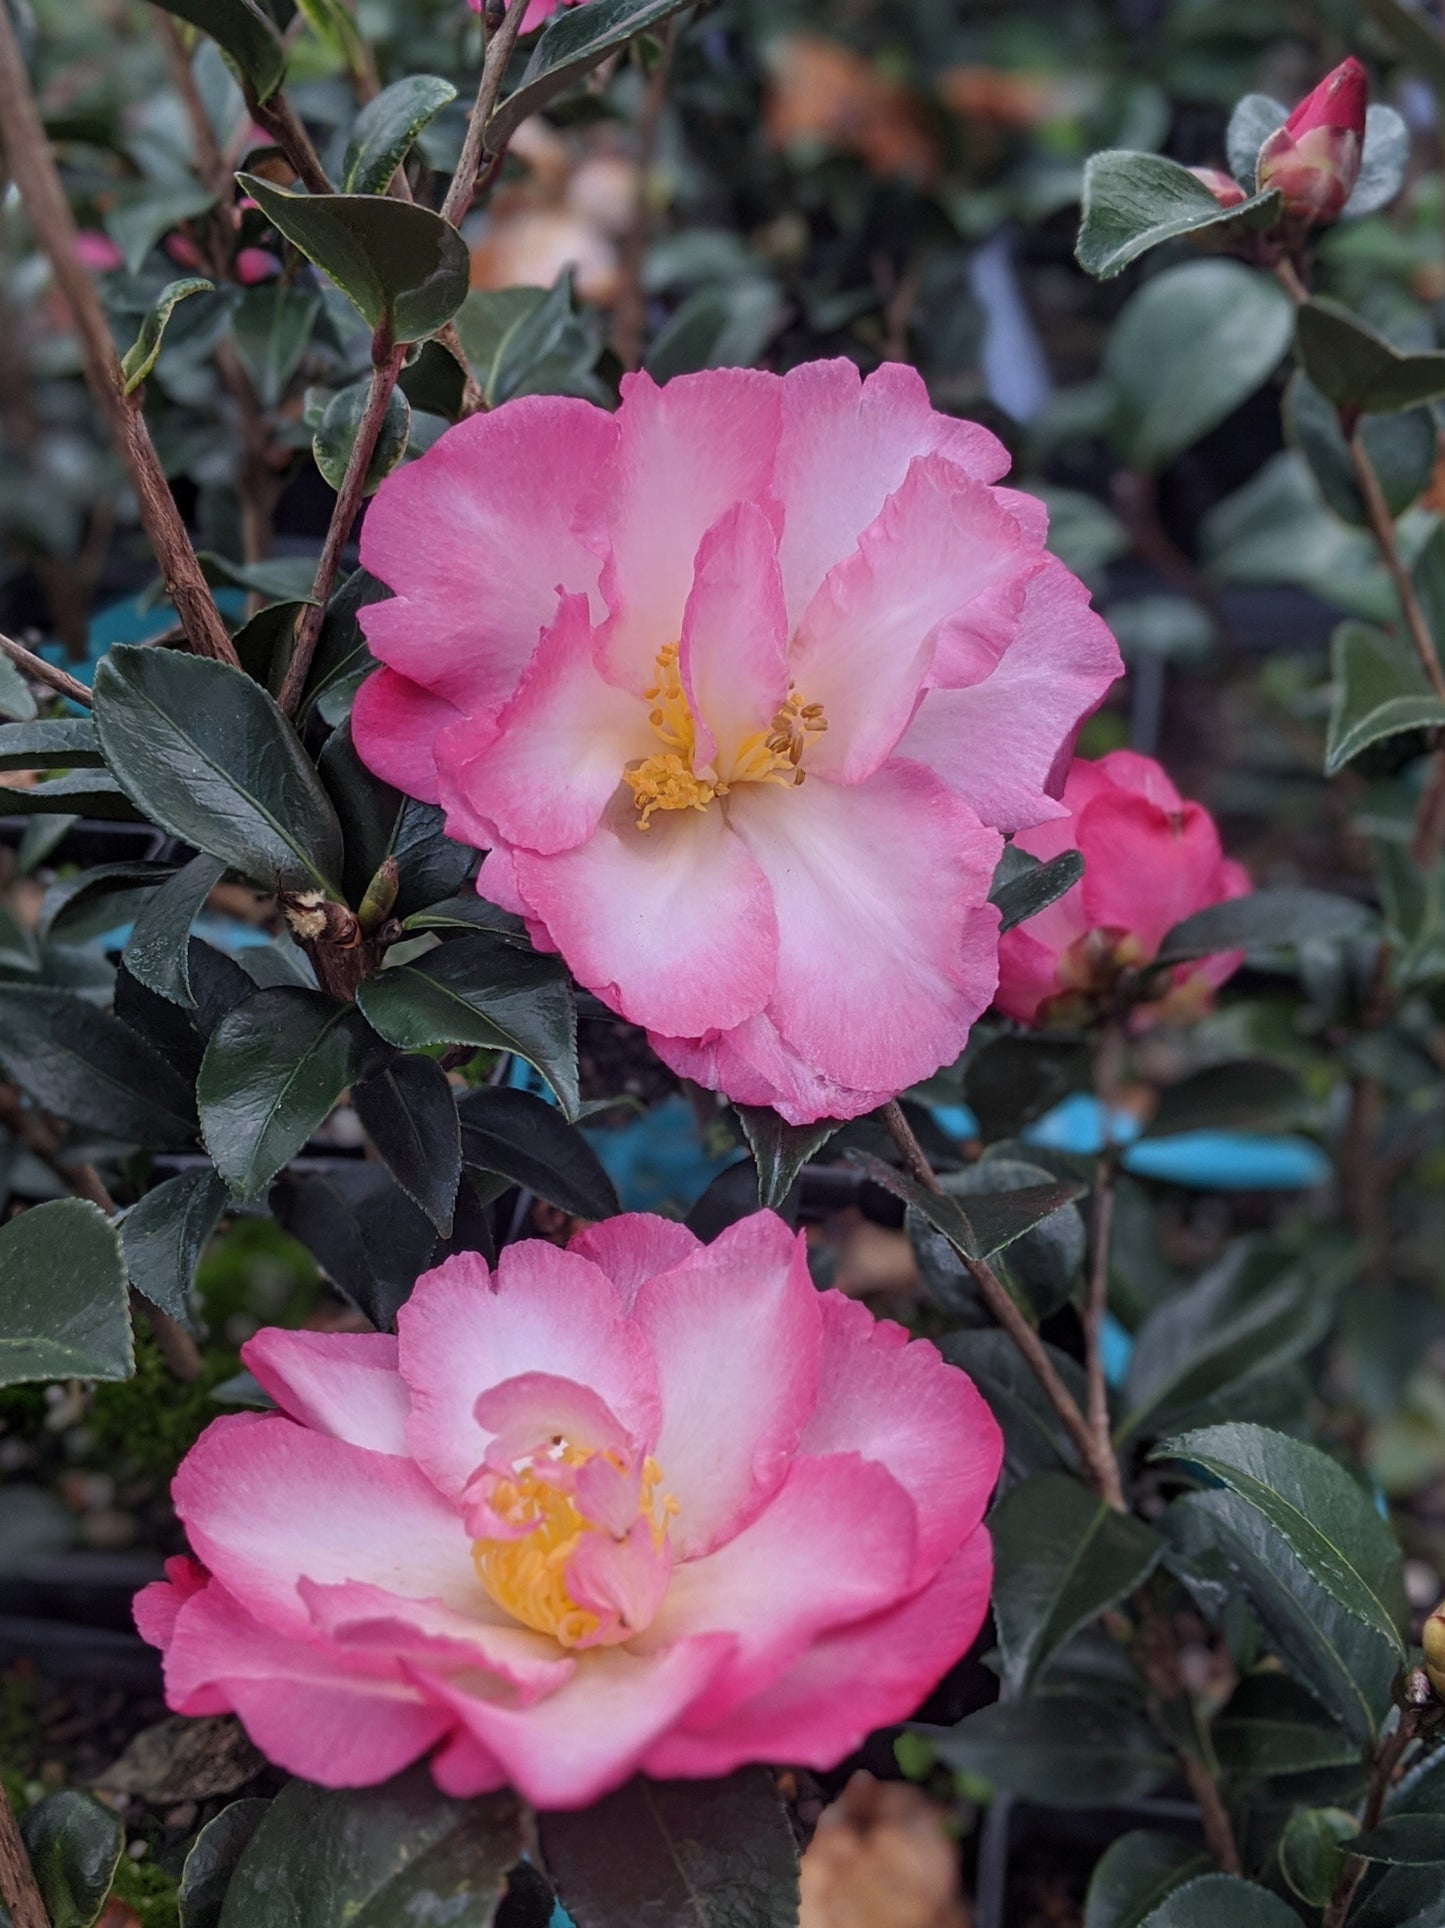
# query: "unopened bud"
{"type": "Point", "coordinates": [1225, 189]}
{"type": "Point", "coordinates": [1433, 1641]}
{"type": "Point", "coordinates": [1314, 159]}
{"type": "Point", "coordinates": [380, 895]}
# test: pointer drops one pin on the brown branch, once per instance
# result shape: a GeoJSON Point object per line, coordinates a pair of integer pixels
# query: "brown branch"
{"type": "Point", "coordinates": [27, 152]}
{"type": "Point", "coordinates": [494, 68]}
{"type": "Point", "coordinates": [1096, 1305]}
{"type": "Point", "coordinates": [283, 124]}
{"type": "Point", "coordinates": [210, 161]}
{"type": "Point", "coordinates": [1382, 528]}
{"type": "Point", "coordinates": [629, 311]}
{"type": "Point", "coordinates": [1388, 1755]}
{"type": "Point", "coordinates": [1102, 1469]}
{"type": "Point", "coordinates": [1156, 1654]}
{"type": "Point", "coordinates": [17, 1883]}
{"type": "Point", "coordinates": [43, 672]}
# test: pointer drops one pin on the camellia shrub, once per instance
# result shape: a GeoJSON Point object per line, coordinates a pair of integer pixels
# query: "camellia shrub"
{"type": "Point", "coordinates": [543, 828]}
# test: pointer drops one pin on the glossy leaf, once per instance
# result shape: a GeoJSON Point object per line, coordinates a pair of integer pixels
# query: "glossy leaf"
{"type": "Point", "coordinates": [1222, 1901]}
{"type": "Point", "coordinates": [63, 1307]}
{"type": "Point", "coordinates": [209, 756]}
{"type": "Point", "coordinates": [409, 1113]}
{"type": "Point", "coordinates": [780, 1150]}
{"type": "Point", "coordinates": [75, 793]}
{"type": "Point", "coordinates": [342, 661]}
{"type": "Point", "coordinates": [1266, 920]}
{"type": "Point", "coordinates": [403, 268]}
{"type": "Point", "coordinates": [273, 1070]}
{"type": "Point", "coordinates": [56, 743]}
{"type": "Point", "coordinates": [486, 992]}
{"type": "Point", "coordinates": [1311, 1852]}
{"type": "Point", "coordinates": [244, 33]}
{"type": "Point", "coordinates": [157, 952]}
{"type": "Point", "coordinates": [570, 46]}
{"type": "Point", "coordinates": [1250, 1093]}
{"type": "Point", "coordinates": [367, 1236]}
{"type": "Point", "coordinates": [94, 901]}
{"type": "Point", "coordinates": [74, 1846]}
{"type": "Point", "coordinates": [336, 436]}
{"type": "Point", "coordinates": [528, 1141]}
{"type": "Point", "coordinates": [212, 1861]}
{"type": "Point", "coordinates": [1059, 1749]}
{"type": "Point", "coordinates": [1034, 887]}
{"type": "Point", "coordinates": [1380, 690]}
{"type": "Point", "coordinates": [140, 358]}
{"type": "Point", "coordinates": [1357, 368]}
{"type": "Point", "coordinates": [1061, 1557]}
{"type": "Point", "coordinates": [271, 329]}
{"type": "Point", "coordinates": [1133, 202]}
{"type": "Point", "coordinates": [1137, 1872]}
{"type": "Point", "coordinates": [164, 1235]}
{"type": "Point", "coordinates": [374, 1857]}
{"type": "Point", "coordinates": [88, 1067]}
{"type": "Point", "coordinates": [1034, 1441]}
{"type": "Point", "coordinates": [989, 1222]}
{"type": "Point", "coordinates": [688, 1854]}
{"type": "Point", "coordinates": [386, 127]}
{"type": "Point", "coordinates": [1272, 1725]}
{"type": "Point", "coordinates": [380, 823]}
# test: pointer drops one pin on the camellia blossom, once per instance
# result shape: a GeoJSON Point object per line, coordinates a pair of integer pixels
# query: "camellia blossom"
{"type": "Point", "coordinates": [538, 11]}
{"type": "Point", "coordinates": [1314, 159]}
{"type": "Point", "coordinates": [1150, 860]}
{"type": "Point", "coordinates": [738, 686]}
{"type": "Point", "coordinates": [640, 1504]}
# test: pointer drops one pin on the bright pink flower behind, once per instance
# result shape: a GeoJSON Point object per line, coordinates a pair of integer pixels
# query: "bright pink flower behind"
{"type": "Point", "coordinates": [739, 687]}
{"type": "Point", "coordinates": [97, 251]}
{"type": "Point", "coordinates": [538, 11]}
{"type": "Point", "coordinates": [642, 1504]}
{"type": "Point", "coordinates": [1150, 860]}
{"type": "Point", "coordinates": [1314, 159]}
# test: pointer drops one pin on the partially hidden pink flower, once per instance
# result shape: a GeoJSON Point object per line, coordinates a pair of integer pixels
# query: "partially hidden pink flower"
{"type": "Point", "coordinates": [640, 1504]}
{"type": "Point", "coordinates": [738, 686]}
{"type": "Point", "coordinates": [1225, 189]}
{"type": "Point", "coordinates": [538, 11]}
{"type": "Point", "coordinates": [1150, 860]}
{"type": "Point", "coordinates": [1314, 159]}
{"type": "Point", "coordinates": [97, 251]}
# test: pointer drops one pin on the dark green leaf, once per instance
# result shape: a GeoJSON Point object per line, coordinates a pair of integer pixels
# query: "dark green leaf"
{"type": "Point", "coordinates": [1401, 449]}
{"type": "Point", "coordinates": [273, 1070]}
{"type": "Point", "coordinates": [1060, 1749]}
{"type": "Point", "coordinates": [1222, 1901]}
{"type": "Point", "coordinates": [780, 1150]}
{"type": "Point", "coordinates": [380, 823]}
{"type": "Point", "coordinates": [157, 952]}
{"type": "Point", "coordinates": [363, 1231]}
{"type": "Point", "coordinates": [1271, 1725]}
{"type": "Point", "coordinates": [1379, 691]}
{"type": "Point", "coordinates": [264, 641]}
{"type": "Point", "coordinates": [1034, 1441]}
{"type": "Point", "coordinates": [570, 46]}
{"type": "Point", "coordinates": [88, 1067]}
{"type": "Point", "coordinates": [1310, 1854]}
{"type": "Point", "coordinates": [991, 1221]}
{"type": "Point", "coordinates": [1061, 1557]}
{"type": "Point", "coordinates": [1230, 1097]}
{"type": "Point", "coordinates": [15, 697]}
{"type": "Point", "coordinates": [374, 1857]}
{"type": "Point", "coordinates": [528, 1141]}
{"type": "Point", "coordinates": [1135, 1874]}
{"type": "Point", "coordinates": [385, 129]}
{"type": "Point", "coordinates": [74, 1845]}
{"type": "Point", "coordinates": [209, 756]}
{"type": "Point", "coordinates": [79, 793]}
{"type": "Point", "coordinates": [142, 212]}
{"type": "Point", "coordinates": [334, 439]}
{"type": "Point", "coordinates": [1325, 1518]}
{"type": "Point", "coordinates": [1254, 119]}
{"type": "Point", "coordinates": [282, 579]}
{"type": "Point", "coordinates": [1357, 368]}
{"type": "Point", "coordinates": [271, 329]}
{"type": "Point", "coordinates": [1132, 202]}
{"type": "Point", "coordinates": [688, 1854]}
{"type": "Point", "coordinates": [469, 912]}
{"type": "Point", "coordinates": [403, 268]}
{"type": "Point", "coordinates": [1266, 920]}
{"type": "Point", "coordinates": [1038, 886]}
{"type": "Point", "coordinates": [165, 1234]}
{"type": "Point", "coordinates": [94, 901]}
{"type": "Point", "coordinates": [244, 34]}
{"type": "Point", "coordinates": [410, 1115]}
{"type": "Point", "coordinates": [727, 325]}
{"type": "Point", "coordinates": [481, 991]}
{"type": "Point", "coordinates": [1014, 1080]}
{"type": "Point", "coordinates": [140, 358]}
{"type": "Point", "coordinates": [212, 1861]}
{"type": "Point", "coordinates": [1412, 1840]}
{"type": "Point", "coordinates": [63, 1307]}
{"type": "Point", "coordinates": [57, 743]}
{"type": "Point", "coordinates": [342, 661]}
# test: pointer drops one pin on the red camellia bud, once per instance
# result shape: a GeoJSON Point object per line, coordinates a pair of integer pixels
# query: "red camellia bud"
{"type": "Point", "coordinates": [1314, 159]}
{"type": "Point", "coordinates": [1225, 189]}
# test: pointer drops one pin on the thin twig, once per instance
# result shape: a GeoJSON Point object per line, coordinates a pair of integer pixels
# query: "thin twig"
{"type": "Point", "coordinates": [629, 312]}
{"type": "Point", "coordinates": [1382, 528]}
{"type": "Point", "coordinates": [1102, 1469]}
{"type": "Point", "coordinates": [283, 124]}
{"type": "Point", "coordinates": [1388, 1755]}
{"type": "Point", "coordinates": [28, 154]}
{"type": "Point", "coordinates": [1096, 1306]}
{"type": "Point", "coordinates": [43, 672]}
{"type": "Point", "coordinates": [17, 1883]}
{"type": "Point", "coordinates": [494, 68]}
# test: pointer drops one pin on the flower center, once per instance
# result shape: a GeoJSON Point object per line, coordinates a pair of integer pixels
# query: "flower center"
{"type": "Point", "coordinates": [555, 1550]}
{"type": "Point", "coordinates": [666, 780]}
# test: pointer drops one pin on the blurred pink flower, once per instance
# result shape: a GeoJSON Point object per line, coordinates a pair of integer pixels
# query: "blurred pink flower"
{"type": "Point", "coordinates": [1314, 159]}
{"type": "Point", "coordinates": [748, 769]}
{"type": "Point", "coordinates": [256, 264]}
{"type": "Point", "coordinates": [642, 1504]}
{"type": "Point", "coordinates": [1150, 860]}
{"type": "Point", "coordinates": [538, 11]}
{"type": "Point", "coordinates": [97, 251]}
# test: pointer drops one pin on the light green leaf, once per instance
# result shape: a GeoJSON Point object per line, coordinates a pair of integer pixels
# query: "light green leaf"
{"type": "Point", "coordinates": [140, 358]}
{"type": "Point", "coordinates": [1132, 202]}
{"type": "Point", "coordinates": [386, 127]}
{"type": "Point", "coordinates": [1380, 690]}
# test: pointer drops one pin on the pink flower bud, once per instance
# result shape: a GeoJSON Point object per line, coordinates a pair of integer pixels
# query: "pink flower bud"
{"type": "Point", "coordinates": [255, 264]}
{"type": "Point", "coordinates": [1314, 159]}
{"type": "Point", "coordinates": [183, 251]}
{"type": "Point", "coordinates": [1225, 189]}
{"type": "Point", "coordinates": [97, 251]}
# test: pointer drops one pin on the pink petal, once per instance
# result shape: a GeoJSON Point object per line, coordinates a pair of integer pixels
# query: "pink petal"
{"type": "Point", "coordinates": [547, 1311]}
{"type": "Point", "coordinates": [463, 1768]}
{"type": "Point", "coordinates": [845, 447]}
{"type": "Point", "coordinates": [734, 1330]}
{"type": "Point", "coordinates": [1028, 966]}
{"type": "Point", "coordinates": [587, 1738]}
{"type": "Point", "coordinates": [835, 1544]}
{"type": "Point", "coordinates": [684, 454]}
{"type": "Point", "coordinates": [1146, 868]}
{"type": "Point", "coordinates": [621, 1580]}
{"type": "Point", "coordinates": [886, 939]}
{"type": "Point", "coordinates": [672, 926]}
{"type": "Point", "coordinates": [866, 640]}
{"type": "Point", "coordinates": [353, 1617]}
{"type": "Point", "coordinates": [998, 744]}
{"type": "Point", "coordinates": [267, 1503]}
{"type": "Point", "coordinates": [733, 664]}
{"type": "Point", "coordinates": [541, 771]}
{"type": "Point", "coordinates": [344, 1384]}
{"type": "Point", "coordinates": [847, 1684]}
{"type": "Point", "coordinates": [633, 1248]}
{"type": "Point", "coordinates": [395, 724]}
{"type": "Point", "coordinates": [476, 539]}
{"type": "Point", "coordinates": [155, 1607]}
{"type": "Point", "coordinates": [895, 1401]}
{"type": "Point", "coordinates": [754, 1065]}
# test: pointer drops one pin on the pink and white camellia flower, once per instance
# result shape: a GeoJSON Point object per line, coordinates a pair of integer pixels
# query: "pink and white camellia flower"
{"type": "Point", "coordinates": [738, 686]}
{"type": "Point", "coordinates": [640, 1504]}
{"type": "Point", "coordinates": [1150, 860]}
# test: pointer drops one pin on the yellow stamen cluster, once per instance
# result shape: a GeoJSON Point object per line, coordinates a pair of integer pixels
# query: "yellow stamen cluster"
{"type": "Point", "coordinates": [666, 780]}
{"type": "Point", "coordinates": [527, 1576]}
